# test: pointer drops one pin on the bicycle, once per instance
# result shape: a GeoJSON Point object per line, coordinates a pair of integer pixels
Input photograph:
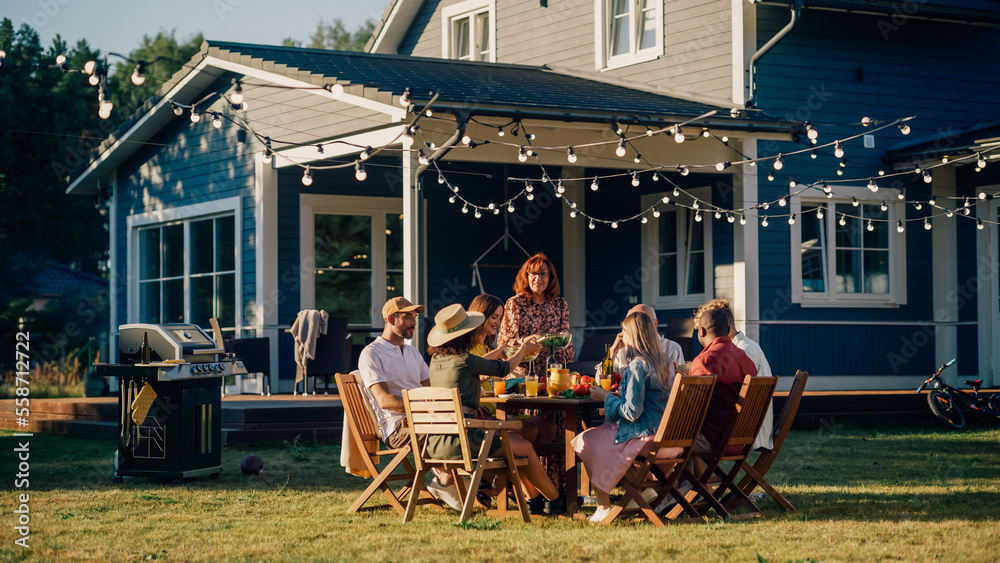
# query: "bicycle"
{"type": "Point", "coordinates": [943, 400]}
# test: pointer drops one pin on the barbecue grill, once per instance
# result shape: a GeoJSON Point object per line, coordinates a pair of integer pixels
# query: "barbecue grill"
{"type": "Point", "coordinates": [170, 409]}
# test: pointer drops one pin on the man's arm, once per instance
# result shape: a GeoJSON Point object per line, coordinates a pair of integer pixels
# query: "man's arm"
{"type": "Point", "coordinates": [385, 399]}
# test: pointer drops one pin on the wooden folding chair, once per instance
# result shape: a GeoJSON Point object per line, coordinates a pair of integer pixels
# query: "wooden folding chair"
{"type": "Point", "coordinates": [361, 429]}
{"type": "Point", "coordinates": [754, 474]}
{"type": "Point", "coordinates": [662, 460]}
{"type": "Point", "coordinates": [435, 411]}
{"type": "Point", "coordinates": [714, 482]}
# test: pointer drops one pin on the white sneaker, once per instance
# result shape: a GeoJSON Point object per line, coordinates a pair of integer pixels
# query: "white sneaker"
{"type": "Point", "coordinates": [449, 494]}
{"type": "Point", "coordinates": [648, 495]}
{"type": "Point", "coordinates": [599, 515]}
{"type": "Point", "coordinates": [757, 497]}
{"type": "Point", "coordinates": [669, 501]}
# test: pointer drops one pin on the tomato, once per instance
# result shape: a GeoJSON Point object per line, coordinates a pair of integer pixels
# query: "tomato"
{"type": "Point", "coordinates": [585, 380]}
{"type": "Point", "coordinates": [581, 390]}
{"type": "Point", "coordinates": [614, 388]}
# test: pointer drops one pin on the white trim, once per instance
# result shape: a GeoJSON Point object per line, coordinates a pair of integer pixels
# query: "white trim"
{"type": "Point", "coordinates": [266, 258]}
{"type": "Point", "coordinates": [744, 41]}
{"type": "Point", "coordinates": [396, 112]}
{"type": "Point", "coordinates": [944, 273]}
{"type": "Point", "coordinates": [602, 59]}
{"type": "Point", "coordinates": [650, 291]}
{"type": "Point", "coordinates": [897, 249]}
{"type": "Point", "coordinates": [989, 291]}
{"type": "Point", "coordinates": [115, 280]}
{"type": "Point", "coordinates": [304, 155]}
{"type": "Point", "coordinates": [312, 204]}
{"type": "Point", "coordinates": [185, 213]}
{"type": "Point", "coordinates": [468, 8]}
{"type": "Point", "coordinates": [395, 26]}
{"type": "Point", "coordinates": [749, 236]}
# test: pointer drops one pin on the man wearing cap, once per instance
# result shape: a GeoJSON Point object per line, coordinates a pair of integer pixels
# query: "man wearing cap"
{"type": "Point", "coordinates": [387, 366]}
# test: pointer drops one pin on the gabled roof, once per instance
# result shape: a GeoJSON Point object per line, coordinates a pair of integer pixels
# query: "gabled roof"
{"type": "Point", "coordinates": [481, 89]}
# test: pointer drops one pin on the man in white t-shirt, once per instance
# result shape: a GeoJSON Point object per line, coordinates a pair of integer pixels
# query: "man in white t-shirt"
{"type": "Point", "coordinates": [670, 348]}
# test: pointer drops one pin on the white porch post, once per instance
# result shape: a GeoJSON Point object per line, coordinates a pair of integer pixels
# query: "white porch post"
{"type": "Point", "coordinates": [746, 271]}
{"type": "Point", "coordinates": [574, 247]}
{"type": "Point", "coordinates": [265, 313]}
{"type": "Point", "coordinates": [987, 273]}
{"type": "Point", "coordinates": [943, 256]}
{"type": "Point", "coordinates": [413, 229]}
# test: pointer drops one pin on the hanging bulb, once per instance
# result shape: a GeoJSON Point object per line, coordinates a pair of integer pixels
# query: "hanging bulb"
{"type": "Point", "coordinates": [618, 128]}
{"type": "Point", "coordinates": [792, 184]}
{"type": "Point", "coordinates": [466, 139]}
{"type": "Point", "coordinates": [730, 217]}
{"type": "Point", "coordinates": [743, 219]}
{"type": "Point", "coordinates": [465, 208]}
{"type": "Point", "coordinates": [965, 202]}
{"type": "Point", "coordinates": [267, 155]}
{"type": "Point", "coordinates": [819, 212]}
{"type": "Point", "coordinates": [979, 224]}
{"type": "Point", "coordinates": [178, 110]}
{"type": "Point", "coordinates": [60, 59]}
{"type": "Point", "coordinates": [826, 187]}
{"type": "Point", "coordinates": [872, 185]}
{"type": "Point", "coordinates": [138, 75]}
{"type": "Point", "coordinates": [932, 200]}
{"type": "Point", "coordinates": [477, 214]}
{"type": "Point", "coordinates": [765, 206]}
{"type": "Point", "coordinates": [791, 219]}
{"type": "Point", "coordinates": [649, 132]}
{"type": "Point", "coordinates": [779, 162]}
{"type": "Point", "coordinates": [814, 154]}
{"type": "Point", "coordinates": [679, 135]}
{"type": "Point", "coordinates": [829, 195]}
{"type": "Point", "coordinates": [695, 205]}
{"type": "Point", "coordinates": [656, 176]}
{"type": "Point", "coordinates": [949, 213]}
{"type": "Point", "coordinates": [643, 220]}
{"type": "Point", "coordinates": [499, 131]}
{"type": "Point", "coordinates": [635, 180]}
{"type": "Point", "coordinates": [723, 165]}
{"type": "Point", "coordinates": [89, 67]}
{"type": "Point", "coordinates": [904, 128]}
{"type": "Point", "coordinates": [594, 185]}
{"type": "Point", "coordinates": [307, 178]}
{"type": "Point", "coordinates": [591, 224]}
{"type": "Point", "coordinates": [838, 149]}
{"type": "Point", "coordinates": [944, 159]}
{"type": "Point", "coordinates": [530, 136]}
{"type": "Point", "coordinates": [854, 201]}
{"type": "Point", "coordinates": [573, 214]}
{"type": "Point", "coordinates": [656, 212]}
{"type": "Point", "coordinates": [918, 206]}
{"type": "Point", "coordinates": [763, 222]}
{"type": "Point", "coordinates": [496, 211]}
{"type": "Point", "coordinates": [407, 136]}
{"type": "Point", "coordinates": [782, 202]}
{"type": "Point", "coordinates": [366, 153]}
{"type": "Point", "coordinates": [840, 172]}
{"type": "Point", "coordinates": [735, 112]}
{"type": "Point", "coordinates": [614, 224]}
{"type": "Point", "coordinates": [620, 151]}
{"type": "Point", "coordinates": [811, 132]}
{"type": "Point", "coordinates": [843, 220]}
{"type": "Point", "coordinates": [866, 121]}
{"type": "Point", "coordinates": [521, 155]}
{"type": "Point", "coordinates": [528, 187]}
{"type": "Point", "coordinates": [900, 195]}
{"type": "Point", "coordinates": [884, 206]}
{"type": "Point", "coordinates": [770, 176]}
{"type": "Point", "coordinates": [666, 200]}
{"type": "Point", "coordinates": [927, 177]}
{"type": "Point", "coordinates": [684, 170]}
{"type": "Point", "coordinates": [422, 157]}
{"type": "Point", "coordinates": [637, 159]}
{"type": "Point", "coordinates": [966, 211]}
{"type": "Point", "coordinates": [451, 198]}
{"type": "Point", "coordinates": [545, 177]}
{"type": "Point", "coordinates": [237, 96]}
{"type": "Point", "coordinates": [195, 116]}
{"type": "Point", "coordinates": [404, 100]}
{"type": "Point", "coordinates": [510, 208]}
{"type": "Point", "coordinates": [980, 161]}
{"type": "Point", "coordinates": [870, 227]}
{"type": "Point", "coordinates": [927, 224]}
{"type": "Point", "coordinates": [429, 113]}
{"type": "Point", "coordinates": [559, 187]}
{"type": "Point", "coordinates": [899, 226]}
{"type": "Point", "coordinates": [359, 171]}
{"type": "Point", "coordinates": [216, 120]}
{"type": "Point", "coordinates": [725, 141]}
{"type": "Point", "coordinates": [697, 216]}
{"type": "Point", "coordinates": [677, 191]}
{"type": "Point", "coordinates": [104, 110]}
{"type": "Point", "coordinates": [571, 155]}
{"type": "Point", "coordinates": [705, 133]}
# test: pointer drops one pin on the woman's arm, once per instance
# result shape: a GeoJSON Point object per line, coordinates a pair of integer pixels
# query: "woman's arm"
{"type": "Point", "coordinates": [528, 348]}
{"type": "Point", "coordinates": [630, 404]}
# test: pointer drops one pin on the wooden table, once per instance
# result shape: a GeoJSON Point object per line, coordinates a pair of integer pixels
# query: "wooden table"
{"type": "Point", "coordinates": [567, 406]}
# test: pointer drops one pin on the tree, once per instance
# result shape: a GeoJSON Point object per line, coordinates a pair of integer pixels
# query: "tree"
{"type": "Point", "coordinates": [335, 36]}
{"type": "Point", "coordinates": [126, 96]}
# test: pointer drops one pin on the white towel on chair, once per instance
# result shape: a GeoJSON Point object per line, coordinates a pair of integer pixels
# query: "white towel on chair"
{"type": "Point", "coordinates": [306, 330]}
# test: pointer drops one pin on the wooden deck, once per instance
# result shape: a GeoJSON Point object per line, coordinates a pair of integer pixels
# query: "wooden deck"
{"type": "Point", "coordinates": [254, 419]}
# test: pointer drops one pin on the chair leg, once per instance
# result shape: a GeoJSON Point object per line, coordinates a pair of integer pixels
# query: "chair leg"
{"type": "Point", "coordinates": [514, 479]}
{"type": "Point", "coordinates": [418, 484]}
{"type": "Point", "coordinates": [380, 483]}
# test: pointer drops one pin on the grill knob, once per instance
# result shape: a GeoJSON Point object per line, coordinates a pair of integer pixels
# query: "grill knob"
{"type": "Point", "coordinates": [219, 368]}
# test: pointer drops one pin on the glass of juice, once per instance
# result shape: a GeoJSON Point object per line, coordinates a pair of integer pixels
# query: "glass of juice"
{"type": "Point", "coordinates": [499, 386]}
{"type": "Point", "coordinates": [605, 381]}
{"type": "Point", "coordinates": [531, 385]}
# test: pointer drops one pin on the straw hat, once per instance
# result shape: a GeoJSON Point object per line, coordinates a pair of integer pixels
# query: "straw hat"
{"type": "Point", "coordinates": [452, 322]}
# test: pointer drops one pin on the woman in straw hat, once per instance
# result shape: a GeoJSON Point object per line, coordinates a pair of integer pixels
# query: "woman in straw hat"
{"type": "Point", "coordinates": [454, 366]}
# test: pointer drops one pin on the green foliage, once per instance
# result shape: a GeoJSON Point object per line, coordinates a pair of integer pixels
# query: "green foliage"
{"type": "Point", "coordinates": [128, 97]}
{"type": "Point", "coordinates": [334, 36]}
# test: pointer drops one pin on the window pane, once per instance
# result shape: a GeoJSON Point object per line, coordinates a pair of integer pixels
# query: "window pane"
{"type": "Point", "coordinates": [848, 235]}
{"type": "Point", "coordinates": [879, 236]}
{"type": "Point", "coordinates": [697, 242]}
{"type": "Point", "coordinates": [620, 32]}
{"type": "Point", "coordinates": [225, 243]}
{"type": "Point", "coordinates": [462, 39]}
{"type": "Point", "coordinates": [668, 232]}
{"type": "Point", "coordinates": [173, 301]}
{"type": "Point", "coordinates": [876, 271]}
{"type": "Point", "coordinates": [173, 251]}
{"type": "Point", "coordinates": [149, 302]}
{"type": "Point", "coordinates": [647, 27]}
{"type": "Point", "coordinates": [394, 241]}
{"type": "Point", "coordinates": [393, 284]}
{"type": "Point", "coordinates": [696, 271]}
{"type": "Point", "coordinates": [483, 28]}
{"type": "Point", "coordinates": [343, 241]}
{"type": "Point", "coordinates": [668, 275]}
{"type": "Point", "coordinates": [227, 299]}
{"type": "Point", "coordinates": [202, 246]}
{"type": "Point", "coordinates": [812, 270]}
{"type": "Point", "coordinates": [202, 300]}
{"type": "Point", "coordinates": [149, 254]}
{"type": "Point", "coordinates": [849, 276]}
{"type": "Point", "coordinates": [345, 293]}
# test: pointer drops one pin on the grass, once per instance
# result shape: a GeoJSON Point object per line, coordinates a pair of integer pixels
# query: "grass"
{"type": "Point", "coordinates": [913, 492]}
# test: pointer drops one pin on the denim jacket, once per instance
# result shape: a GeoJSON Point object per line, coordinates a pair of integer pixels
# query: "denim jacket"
{"type": "Point", "coordinates": [640, 403]}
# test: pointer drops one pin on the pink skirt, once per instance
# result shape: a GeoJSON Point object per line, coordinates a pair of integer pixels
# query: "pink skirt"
{"type": "Point", "coordinates": [606, 460]}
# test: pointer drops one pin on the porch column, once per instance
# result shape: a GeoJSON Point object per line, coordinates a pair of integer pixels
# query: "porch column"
{"type": "Point", "coordinates": [265, 309]}
{"type": "Point", "coordinates": [574, 270]}
{"type": "Point", "coordinates": [746, 289]}
{"type": "Point", "coordinates": [414, 286]}
{"type": "Point", "coordinates": [943, 256]}
{"type": "Point", "coordinates": [987, 275]}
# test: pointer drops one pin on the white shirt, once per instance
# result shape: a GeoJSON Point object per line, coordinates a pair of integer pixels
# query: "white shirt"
{"type": "Point", "coordinates": [399, 368]}
{"type": "Point", "coordinates": [670, 348]}
{"type": "Point", "coordinates": [766, 437]}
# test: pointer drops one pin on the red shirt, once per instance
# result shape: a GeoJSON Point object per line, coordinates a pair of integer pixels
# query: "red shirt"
{"type": "Point", "coordinates": [730, 365]}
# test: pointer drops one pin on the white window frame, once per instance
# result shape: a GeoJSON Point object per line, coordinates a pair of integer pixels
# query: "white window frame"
{"type": "Point", "coordinates": [603, 60]}
{"type": "Point", "coordinates": [185, 214]}
{"type": "Point", "coordinates": [468, 9]}
{"type": "Point", "coordinates": [651, 262]}
{"type": "Point", "coordinates": [897, 249]}
{"type": "Point", "coordinates": [375, 207]}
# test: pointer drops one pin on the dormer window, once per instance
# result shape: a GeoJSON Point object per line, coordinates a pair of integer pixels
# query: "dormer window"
{"type": "Point", "coordinates": [468, 31]}
{"type": "Point", "coordinates": [627, 32]}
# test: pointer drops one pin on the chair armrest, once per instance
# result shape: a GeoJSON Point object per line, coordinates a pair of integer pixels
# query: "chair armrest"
{"type": "Point", "coordinates": [494, 424]}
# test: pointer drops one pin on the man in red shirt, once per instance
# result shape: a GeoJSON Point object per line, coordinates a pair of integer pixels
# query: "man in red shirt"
{"type": "Point", "coordinates": [730, 365]}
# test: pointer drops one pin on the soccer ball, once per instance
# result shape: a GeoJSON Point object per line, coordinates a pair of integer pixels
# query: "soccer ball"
{"type": "Point", "coordinates": [252, 465]}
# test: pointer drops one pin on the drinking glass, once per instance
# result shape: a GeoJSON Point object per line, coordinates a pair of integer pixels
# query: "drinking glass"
{"type": "Point", "coordinates": [499, 386]}
{"type": "Point", "coordinates": [531, 385]}
{"type": "Point", "coordinates": [605, 382]}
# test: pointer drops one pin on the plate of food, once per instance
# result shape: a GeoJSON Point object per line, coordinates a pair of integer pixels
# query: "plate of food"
{"type": "Point", "coordinates": [556, 339]}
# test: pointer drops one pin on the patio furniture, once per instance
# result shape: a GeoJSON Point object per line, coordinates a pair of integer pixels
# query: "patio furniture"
{"type": "Point", "coordinates": [256, 356]}
{"type": "Point", "coordinates": [333, 352]}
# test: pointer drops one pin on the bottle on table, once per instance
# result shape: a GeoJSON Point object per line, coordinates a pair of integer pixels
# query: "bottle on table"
{"type": "Point", "coordinates": [607, 367]}
{"type": "Point", "coordinates": [144, 349]}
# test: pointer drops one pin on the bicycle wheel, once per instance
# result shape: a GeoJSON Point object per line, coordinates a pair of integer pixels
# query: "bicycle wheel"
{"type": "Point", "coordinates": [993, 405]}
{"type": "Point", "coordinates": [945, 409]}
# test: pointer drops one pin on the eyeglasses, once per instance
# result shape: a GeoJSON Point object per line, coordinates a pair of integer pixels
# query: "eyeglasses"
{"type": "Point", "coordinates": [539, 274]}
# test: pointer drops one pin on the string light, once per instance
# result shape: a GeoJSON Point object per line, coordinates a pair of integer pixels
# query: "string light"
{"type": "Point", "coordinates": [918, 206]}
{"type": "Point", "coordinates": [782, 201]}
{"type": "Point", "coordinates": [872, 185]}
{"type": "Point", "coordinates": [441, 179]}
{"type": "Point", "coordinates": [366, 153]}
{"type": "Point", "coordinates": [949, 213]}
{"type": "Point", "coordinates": [854, 201]}
{"type": "Point", "coordinates": [620, 151]}
{"type": "Point", "coordinates": [843, 220]}
{"type": "Point", "coordinates": [614, 224]}
{"type": "Point", "coordinates": [927, 177]}
{"type": "Point", "coordinates": [718, 214]}
{"type": "Point", "coordinates": [838, 149]}
{"type": "Point", "coordinates": [594, 185]}
{"type": "Point", "coordinates": [779, 162]}
{"type": "Point", "coordinates": [499, 131]}
{"type": "Point", "coordinates": [195, 116]}
{"type": "Point", "coordinates": [900, 195]}
{"type": "Point", "coordinates": [870, 227]}
{"type": "Point", "coordinates": [819, 212]}
{"type": "Point", "coordinates": [451, 198]}
{"type": "Point", "coordinates": [980, 161]}
{"type": "Point", "coordinates": [679, 135]}
{"type": "Point", "coordinates": [763, 222]}
{"type": "Point", "coordinates": [466, 140]}
{"type": "Point", "coordinates": [643, 220]}
{"type": "Point", "coordinates": [730, 217]}
{"type": "Point", "coordinates": [359, 171]}
{"type": "Point", "coordinates": [656, 176]}
{"type": "Point", "coordinates": [705, 133]}
{"type": "Point", "coordinates": [656, 212]}
{"type": "Point", "coordinates": [884, 206]}
{"type": "Point", "coordinates": [826, 187]}
{"type": "Point", "coordinates": [591, 224]}
{"type": "Point", "coordinates": [477, 214]}
{"type": "Point", "coordinates": [637, 159]}
{"type": "Point", "coordinates": [792, 184]}
{"type": "Point", "coordinates": [979, 224]}
{"type": "Point", "coordinates": [635, 180]}
{"type": "Point", "coordinates": [811, 132]}
{"type": "Point", "coordinates": [899, 226]}
{"type": "Point", "coordinates": [465, 208]}
{"type": "Point", "coordinates": [697, 216]}
{"type": "Point", "coordinates": [791, 219]}
{"type": "Point", "coordinates": [723, 165]}
{"type": "Point", "coordinates": [571, 155]}
{"type": "Point", "coordinates": [521, 155]}
{"type": "Point", "coordinates": [770, 176]}
{"type": "Point", "coordinates": [904, 128]}
{"type": "Point", "coordinates": [927, 224]}
{"type": "Point", "coordinates": [510, 208]}
{"type": "Point", "coordinates": [139, 74]}
{"type": "Point", "coordinates": [559, 187]}
{"type": "Point", "coordinates": [307, 178]}
{"type": "Point", "coordinates": [814, 154]}
{"type": "Point", "coordinates": [932, 200]}
{"type": "Point", "coordinates": [677, 191]}
{"type": "Point", "coordinates": [216, 120]}
{"type": "Point", "coordinates": [237, 96]}
{"type": "Point", "coordinates": [684, 170]}
{"type": "Point", "coordinates": [422, 157]}
{"type": "Point", "coordinates": [178, 110]}
{"type": "Point", "coordinates": [404, 100]}
{"type": "Point", "coordinates": [743, 219]}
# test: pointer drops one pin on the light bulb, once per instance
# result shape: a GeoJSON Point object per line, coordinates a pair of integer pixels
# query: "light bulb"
{"type": "Point", "coordinates": [404, 100]}
{"type": "Point", "coordinates": [819, 212]}
{"type": "Point", "coordinates": [666, 200]}
{"type": "Point", "coordinates": [725, 139]}
{"type": "Point", "coordinates": [571, 155]}
{"type": "Point", "coordinates": [826, 187]}
{"type": "Point", "coordinates": [763, 222]}
{"type": "Point", "coordinates": [870, 227]}
{"type": "Point", "coordinates": [679, 135]}
{"type": "Point", "coordinates": [899, 226]}
{"type": "Point", "coordinates": [979, 224]}
{"type": "Point", "coordinates": [872, 185]}
{"type": "Point", "coordinates": [465, 208]}
{"type": "Point", "coordinates": [770, 176]}
{"type": "Point", "coordinates": [510, 208]}
{"type": "Point", "coordinates": [949, 213]}
{"type": "Point", "coordinates": [620, 151]}
{"type": "Point", "coordinates": [594, 185]}
{"type": "Point", "coordinates": [649, 132]}
{"type": "Point", "coordinates": [466, 139]}
{"type": "Point", "coordinates": [918, 206]}
{"type": "Point", "coordinates": [307, 178]}
{"type": "Point", "coordinates": [695, 205]}
{"type": "Point", "coordinates": [927, 177]}
{"type": "Point", "coordinates": [429, 113]}
{"type": "Point", "coordinates": [643, 220]}
{"type": "Point", "coordinates": [591, 224]}
{"type": "Point", "coordinates": [684, 170]}
{"type": "Point", "coordinates": [884, 207]}
{"type": "Point", "coordinates": [854, 201]}
{"type": "Point", "coordinates": [765, 206]}
{"type": "Point", "coordinates": [195, 116]}
{"type": "Point", "coordinates": [843, 220]}
{"type": "Point", "coordinates": [216, 120]}
{"type": "Point", "coordinates": [743, 219]}
{"type": "Point", "coordinates": [635, 180]}
{"type": "Point", "coordinates": [528, 187]}
{"type": "Point", "coordinates": [237, 96]}
{"type": "Point", "coordinates": [496, 211]}
{"type": "Point", "coordinates": [904, 128]}
{"type": "Point", "coordinates": [792, 184]}
{"type": "Point", "coordinates": [722, 166]}
{"type": "Point", "coordinates": [104, 111]}
{"type": "Point", "coordinates": [337, 89]}
{"type": "Point", "coordinates": [94, 79]}
{"type": "Point", "coordinates": [530, 197]}
{"type": "Point", "coordinates": [900, 195]}
{"type": "Point", "coordinates": [866, 121]}
{"type": "Point", "coordinates": [521, 155]}
{"type": "Point", "coordinates": [178, 110]}
{"type": "Point", "coordinates": [89, 67]}
{"type": "Point", "coordinates": [267, 156]}
{"type": "Point", "coordinates": [614, 224]}
{"type": "Point", "coordinates": [982, 195]}
{"type": "Point", "coordinates": [421, 157]}
{"type": "Point", "coordinates": [637, 159]}
{"type": "Point", "coordinates": [359, 171]}
{"type": "Point", "coordinates": [573, 214]}
{"type": "Point", "coordinates": [980, 161]}
{"type": "Point", "coordinates": [441, 179]}
{"type": "Point", "coordinates": [499, 131]}
{"type": "Point", "coordinates": [138, 75]}
{"type": "Point", "coordinates": [451, 198]}
{"type": "Point", "coordinates": [656, 212]}
{"type": "Point", "coordinates": [782, 202]}
{"type": "Point", "coordinates": [838, 149]}
{"type": "Point", "coordinates": [60, 60]}
{"type": "Point", "coordinates": [705, 133]}
{"type": "Point", "coordinates": [814, 155]}
{"type": "Point", "coordinates": [811, 132]}
{"type": "Point", "coordinates": [477, 214]}
{"type": "Point", "coordinates": [791, 219]}
{"type": "Point", "coordinates": [697, 216]}
{"type": "Point", "coordinates": [718, 214]}
{"type": "Point", "coordinates": [779, 162]}
{"type": "Point", "coordinates": [927, 224]}
{"type": "Point", "coordinates": [944, 159]}
{"type": "Point", "coordinates": [365, 153]}
{"type": "Point", "coordinates": [677, 191]}
{"type": "Point", "coordinates": [932, 200]}
{"type": "Point", "coordinates": [559, 187]}
{"type": "Point", "coordinates": [735, 112]}
{"type": "Point", "coordinates": [656, 176]}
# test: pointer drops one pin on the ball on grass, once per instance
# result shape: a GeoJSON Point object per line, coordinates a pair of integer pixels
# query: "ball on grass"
{"type": "Point", "coordinates": [252, 465]}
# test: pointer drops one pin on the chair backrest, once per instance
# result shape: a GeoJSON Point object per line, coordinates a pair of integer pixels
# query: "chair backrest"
{"type": "Point", "coordinates": [333, 349]}
{"type": "Point", "coordinates": [788, 411]}
{"type": "Point", "coordinates": [435, 411]}
{"type": "Point", "coordinates": [254, 352]}
{"type": "Point", "coordinates": [755, 396]}
{"type": "Point", "coordinates": [685, 412]}
{"type": "Point", "coordinates": [356, 412]}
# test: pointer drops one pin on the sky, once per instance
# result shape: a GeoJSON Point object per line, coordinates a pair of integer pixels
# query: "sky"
{"type": "Point", "coordinates": [119, 25]}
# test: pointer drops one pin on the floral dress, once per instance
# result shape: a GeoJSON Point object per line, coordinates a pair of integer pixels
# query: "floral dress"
{"type": "Point", "coordinates": [523, 317]}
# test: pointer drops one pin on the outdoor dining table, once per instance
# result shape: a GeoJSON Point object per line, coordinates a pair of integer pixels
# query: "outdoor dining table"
{"type": "Point", "coordinates": [570, 408]}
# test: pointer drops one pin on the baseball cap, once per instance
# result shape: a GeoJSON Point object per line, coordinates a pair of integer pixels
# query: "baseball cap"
{"type": "Point", "coordinates": [400, 305]}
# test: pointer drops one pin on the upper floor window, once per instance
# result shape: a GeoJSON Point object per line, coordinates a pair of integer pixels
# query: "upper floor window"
{"type": "Point", "coordinates": [467, 31]}
{"type": "Point", "coordinates": [845, 254]}
{"type": "Point", "coordinates": [678, 254]}
{"type": "Point", "coordinates": [627, 32]}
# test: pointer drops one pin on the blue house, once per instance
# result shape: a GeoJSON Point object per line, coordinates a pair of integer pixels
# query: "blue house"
{"type": "Point", "coordinates": [473, 133]}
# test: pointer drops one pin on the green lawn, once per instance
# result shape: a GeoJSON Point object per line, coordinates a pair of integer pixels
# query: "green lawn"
{"type": "Point", "coordinates": [910, 492]}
